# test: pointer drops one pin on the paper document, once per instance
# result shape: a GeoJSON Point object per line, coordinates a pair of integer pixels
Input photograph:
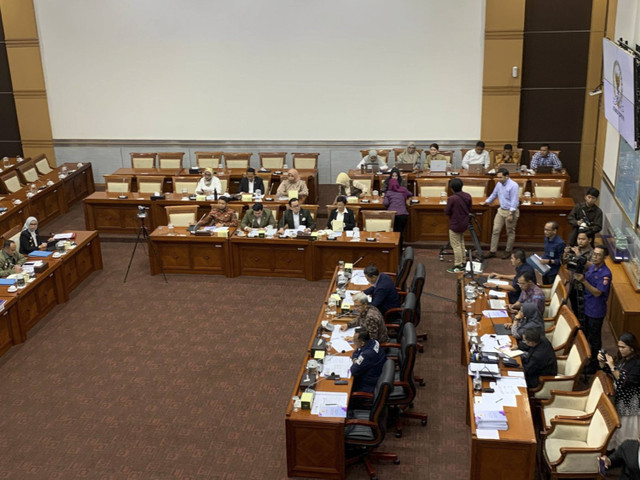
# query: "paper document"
{"type": "Point", "coordinates": [511, 353]}
{"type": "Point", "coordinates": [499, 399]}
{"type": "Point", "coordinates": [505, 389]}
{"type": "Point", "coordinates": [492, 342]}
{"type": "Point", "coordinates": [330, 404]}
{"type": "Point", "coordinates": [485, 434]}
{"type": "Point", "coordinates": [513, 381]}
{"type": "Point", "coordinates": [358, 278]}
{"type": "Point", "coordinates": [477, 267]}
{"type": "Point", "coordinates": [515, 374]}
{"type": "Point", "coordinates": [349, 233]}
{"type": "Point", "coordinates": [495, 313]}
{"type": "Point", "coordinates": [497, 304]}
{"type": "Point", "coordinates": [341, 346]}
{"type": "Point", "coordinates": [64, 236]}
{"type": "Point", "coordinates": [496, 293]}
{"type": "Point", "coordinates": [534, 261]}
{"type": "Point", "coordinates": [337, 364]}
{"type": "Point", "coordinates": [495, 281]}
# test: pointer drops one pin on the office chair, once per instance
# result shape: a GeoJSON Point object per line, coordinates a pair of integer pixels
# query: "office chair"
{"type": "Point", "coordinates": [404, 269]}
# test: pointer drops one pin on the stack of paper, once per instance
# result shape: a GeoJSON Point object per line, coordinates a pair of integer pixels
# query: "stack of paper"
{"type": "Point", "coordinates": [489, 417]}
{"type": "Point", "coordinates": [497, 304]}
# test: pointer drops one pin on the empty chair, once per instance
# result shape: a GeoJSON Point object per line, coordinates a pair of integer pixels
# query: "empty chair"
{"type": "Point", "coordinates": [42, 164]}
{"type": "Point", "coordinates": [181, 215]}
{"type": "Point", "coordinates": [305, 161]}
{"type": "Point", "coordinates": [211, 160]}
{"type": "Point", "coordinates": [365, 428]}
{"type": "Point", "coordinates": [548, 187]}
{"type": "Point", "coordinates": [27, 170]}
{"type": "Point", "coordinates": [150, 184]}
{"type": "Point", "coordinates": [432, 187]}
{"type": "Point", "coordinates": [378, 220]}
{"type": "Point", "coordinates": [523, 185]}
{"type": "Point", "coordinates": [237, 160]}
{"type": "Point", "coordinates": [170, 160]}
{"type": "Point", "coordinates": [185, 184]}
{"type": "Point", "coordinates": [117, 184]}
{"type": "Point", "coordinates": [562, 333]}
{"type": "Point", "coordinates": [551, 310]}
{"type": "Point", "coordinates": [10, 182]}
{"type": "Point", "coordinates": [576, 405]}
{"type": "Point", "coordinates": [273, 160]}
{"type": "Point", "coordinates": [143, 160]}
{"type": "Point", "coordinates": [266, 180]}
{"type": "Point", "coordinates": [404, 269]}
{"type": "Point", "coordinates": [476, 187]}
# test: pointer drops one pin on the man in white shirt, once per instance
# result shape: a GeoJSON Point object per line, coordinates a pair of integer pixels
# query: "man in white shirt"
{"type": "Point", "coordinates": [476, 156]}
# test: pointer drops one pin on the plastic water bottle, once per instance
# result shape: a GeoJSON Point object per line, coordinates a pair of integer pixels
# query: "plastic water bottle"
{"type": "Point", "coordinates": [472, 325]}
{"type": "Point", "coordinates": [477, 383]}
{"type": "Point", "coordinates": [356, 232]}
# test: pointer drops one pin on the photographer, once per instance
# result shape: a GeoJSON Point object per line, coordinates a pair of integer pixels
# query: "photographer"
{"type": "Point", "coordinates": [596, 282]}
{"type": "Point", "coordinates": [586, 216]}
{"type": "Point", "coordinates": [457, 209]}
{"type": "Point", "coordinates": [577, 259]}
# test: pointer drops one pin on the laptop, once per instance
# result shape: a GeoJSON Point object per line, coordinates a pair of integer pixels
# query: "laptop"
{"type": "Point", "coordinates": [544, 169]}
{"type": "Point", "coordinates": [372, 167]}
{"type": "Point", "coordinates": [404, 167]}
{"type": "Point", "coordinates": [438, 166]}
{"type": "Point", "coordinates": [500, 329]}
{"type": "Point", "coordinates": [509, 167]}
{"type": "Point", "coordinates": [476, 168]}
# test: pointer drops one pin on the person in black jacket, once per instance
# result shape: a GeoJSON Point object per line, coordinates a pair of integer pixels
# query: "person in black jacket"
{"type": "Point", "coordinates": [296, 217]}
{"type": "Point", "coordinates": [368, 359]}
{"type": "Point", "coordinates": [29, 238]}
{"type": "Point", "coordinates": [539, 358]}
{"type": "Point", "coordinates": [348, 218]}
{"type": "Point", "coordinates": [384, 294]}
{"type": "Point", "coordinates": [250, 183]}
{"type": "Point", "coordinates": [625, 456]}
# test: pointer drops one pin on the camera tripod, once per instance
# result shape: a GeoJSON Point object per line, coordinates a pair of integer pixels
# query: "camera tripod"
{"type": "Point", "coordinates": [473, 226]}
{"type": "Point", "coordinates": [144, 233]}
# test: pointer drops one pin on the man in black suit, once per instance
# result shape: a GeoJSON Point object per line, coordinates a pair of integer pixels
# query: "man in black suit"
{"type": "Point", "coordinates": [250, 183]}
{"type": "Point", "coordinates": [295, 217]}
{"type": "Point", "coordinates": [384, 294]}
{"type": "Point", "coordinates": [539, 358]}
{"type": "Point", "coordinates": [342, 214]}
{"type": "Point", "coordinates": [625, 456]}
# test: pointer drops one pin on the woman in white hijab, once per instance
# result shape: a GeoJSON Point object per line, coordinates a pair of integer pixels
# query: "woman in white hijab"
{"type": "Point", "coordinates": [373, 158]}
{"type": "Point", "coordinates": [29, 238]}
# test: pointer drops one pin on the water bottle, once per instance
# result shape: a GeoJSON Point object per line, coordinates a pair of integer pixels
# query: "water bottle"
{"type": "Point", "coordinates": [477, 383]}
{"type": "Point", "coordinates": [356, 232]}
{"type": "Point", "coordinates": [472, 325]}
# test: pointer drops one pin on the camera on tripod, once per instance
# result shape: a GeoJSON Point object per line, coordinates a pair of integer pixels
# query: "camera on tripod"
{"type": "Point", "coordinates": [576, 263]}
{"type": "Point", "coordinates": [142, 211]}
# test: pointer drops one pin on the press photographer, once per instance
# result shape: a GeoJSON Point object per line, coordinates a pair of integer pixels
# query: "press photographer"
{"type": "Point", "coordinates": [577, 259]}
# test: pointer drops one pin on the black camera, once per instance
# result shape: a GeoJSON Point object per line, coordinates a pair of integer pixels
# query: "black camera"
{"type": "Point", "coordinates": [576, 263]}
{"type": "Point", "coordinates": [142, 211]}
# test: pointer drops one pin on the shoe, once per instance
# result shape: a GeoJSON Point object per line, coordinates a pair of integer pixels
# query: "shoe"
{"type": "Point", "coordinates": [507, 255]}
{"type": "Point", "coordinates": [456, 269]}
{"type": "Point", "coordinates": [490, 255]}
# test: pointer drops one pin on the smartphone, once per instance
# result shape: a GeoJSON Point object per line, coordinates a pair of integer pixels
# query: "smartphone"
{"type": "Point", "coordinates": [603, 467]}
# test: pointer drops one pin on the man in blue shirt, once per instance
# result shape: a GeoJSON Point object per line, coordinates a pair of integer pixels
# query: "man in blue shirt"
{"type": "Point", "coordinates": [597, 282]}
{"type": "Point", "coordinates": [519, 262]}
{"type": "Point", "coordinates": [383, 291]}
{"type": "Point", "coordinates": [545, 158]}
{"type": "Point", "coordinates": [508, 194]}
{"type": "Point", "coordinates": [368, 360]}
{"type": "Point", "coordinates": [553, 251]}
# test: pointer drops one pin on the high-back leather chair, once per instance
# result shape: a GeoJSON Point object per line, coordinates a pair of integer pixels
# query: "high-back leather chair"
{"type": "Point", "coordinates": [562, 333]}
{"type": "Point", "coordinates": [28, 171]}
{"type": "Point", "coordinates": [10, 182]}
{"type": "Point", "coordinates": [378, 220]}
{"type": "Point", "coordinates": [548, 187]}
{"type": "Point", "coordinates": [185, 183]}
{"type": "Point", "coordinates": [181, 215]}
{"type": "Point", "coordinates": [432, 187]}
{"type": "Point", "coordinates": [404, 269]}
{"type": "Point", "coordinates": [237, 160]}
{"type": "Point", "coordinates": [42, 164]}
{"type": "Point", "coordinates": [150, 184]}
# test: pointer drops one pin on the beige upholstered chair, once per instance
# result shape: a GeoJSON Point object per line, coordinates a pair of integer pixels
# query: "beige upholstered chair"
{"type": "Point", "coordinates": [170, 160]}
{"type": "Point", "coordinates": [224, 182]}
{"type": "Point", "coordinates": [10, 182]}
{"type": "Point", "coordinates": [550, 290]}
{"type": "Point", "coordinates": [365, 179]}
{"type": "Point", "coordinates": [476, 187]}
{"type": "Point", "coordinates": [117, 184]}
{"type": "Point", "coordinates": [208, 159]}
{"type": "Point", "coordinates": [27, 170]}
{"type": "Point", "coordinates": [143, 160]}
{"type": "Point", "coordinates": [150, 184]}
{"type": "Point", "coordinates": [523, 185]}
{"type": "Point", "coordinates": [548, 187]}
{"type": "Point", "coordinates": [13, 234]}
{"type": "Point", "coordinates": [237, 160]}
{"type": "Point", "coordinates": [188, 183]}
{"type": "Point", "coordinates": [275, 209]}
{"type": "Point", "coordinates": [181, 215]}
{"type": "Point", "coordinates": [562, 333]}
{"type": "Point", "coordinates": [313, 210]}
{"type": "Point", "coordinates": [266, 180]}
{"type": "Point", "coordinates": [378, 220]}
{"type": "Point", "coordinates": [551, 310]}
{"type": "Point", "coordinates": [572, 447]}
{"type": "Point", "coordinates": [569, 369]}
{"type": "Point", "coordinates": [446, 153]}
{"type": "Point", "coordinates": [238, 208]}
{"type": "Point", "coordinates": [576, 405]}
{"type": "Point", "coordinates": [305, 161]}
{"type": "Point", "coordinates": [42, 164]}
{"type": "Point", "coordinates": [432, 187]}
{"type": "Point", "coordinates": [273, 160]}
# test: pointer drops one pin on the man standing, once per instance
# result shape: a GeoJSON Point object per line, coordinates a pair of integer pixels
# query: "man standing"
{"type": "Point", "coordinates": [257, 217]}
{"type": "Point", "coordinates": [476, 156]}
{"type": "Point", "coordinates": [458, 209]}
{"type": "Point", "coordinates": [545, 158]}
{"type": "Point", "coordinates": [539, 358]}
{"type": "Point", "coordinates": [576, 292]}
{"type": "Point", "coordinates": [10, 259]}
{"type": "Point", "coordinates": [553, 251]}
{"type": "Point", "coordinates": [250, 183]}
{"type": "Point", "coordinates": [368, 359]}
{"type": "Point", "coordinates": [508, 193]}
{"type": "Point", "coordinates": [596, 282]}
{"type": "Point", "coordinates": [529, 293]}
{"type": "Point", "coordinates": [382, 291]}
{"type": "Point", "coordinates": [586, 216]}
{"type": "Point", "coordinates": [295, 217]}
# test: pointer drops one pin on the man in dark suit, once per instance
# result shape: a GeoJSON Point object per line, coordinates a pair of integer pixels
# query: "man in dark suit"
{"type": "Point", "coordinates": [625, 456]}
{"type": "Point", "coordinates": [343, 214]}
{"type": "Point", "coordinates": [539, 358]}
{"type": "Point", "coordinates": [383, 290]}
{"type": "Point", "coordinates": [250, 183]}
{"type": "Point", "coordinates": [368, 359]}
{"type": "Point", "coordinates": [295, 217]}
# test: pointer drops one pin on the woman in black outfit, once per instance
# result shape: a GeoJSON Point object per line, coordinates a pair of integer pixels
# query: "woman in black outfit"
{"type": "Point", "coordinates": [347, 216]}
{"type": "Point", "coordinates": [29, 238]}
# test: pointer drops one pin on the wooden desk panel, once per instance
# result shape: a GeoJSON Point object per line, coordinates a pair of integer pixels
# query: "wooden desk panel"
{"type": "Point", "coordinates": [530, 228]}
{"type": "Point", "coordinates": [105, 212]}
{"type": "Point", "coordinates": [9, 329]}
{"type": "Point", "coordinates": [79, 183]}
{"type": "Point", "coordinates": [288, 257]}
{"type": "Point", "coordinates": [80, 262]}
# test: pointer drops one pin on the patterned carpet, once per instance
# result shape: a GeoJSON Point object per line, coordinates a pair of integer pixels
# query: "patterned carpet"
{"type": "Point", "coordinates": [190, 379]}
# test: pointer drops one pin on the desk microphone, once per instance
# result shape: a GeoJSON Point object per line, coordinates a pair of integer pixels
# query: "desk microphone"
{"type": "Point", "coordinates": [357, 261]}
{"type": "Point", "coordinates": [270, 188]}
{"type": "Point", "coordinates": [195, 227]}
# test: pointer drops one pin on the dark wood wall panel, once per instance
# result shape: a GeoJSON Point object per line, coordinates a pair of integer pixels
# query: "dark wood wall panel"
{"type": "Point", "coordinates": [10, 142]}
{"type": "Point", "coordinates": [551, 115]}
{"type": "Point", "coordinates": [558, 15]}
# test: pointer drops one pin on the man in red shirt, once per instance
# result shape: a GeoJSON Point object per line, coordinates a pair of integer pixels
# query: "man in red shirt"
{"type": "Point", "coordinates": [458, 209]}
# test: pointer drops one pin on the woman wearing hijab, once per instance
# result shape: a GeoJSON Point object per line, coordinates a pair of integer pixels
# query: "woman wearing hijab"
{"type": "Point", "coordinates": [393, 173]}
{"type": "Point", "coordinates": [527, 317]}
{"type": "Point", "coordinates": [29, 238]}
{"type": "Point", "coordinates": [410, 156]}
{"type": "Point", "coordinates": [373, 158]}
{"type": "Point", "coordinates": [396, 199]}
{"type": "Point", "coordinates": [292, 182]}
{"type": "Point", "coordinates": [208, 183]}
{"type": "Point", "coordinates": [350, 188]}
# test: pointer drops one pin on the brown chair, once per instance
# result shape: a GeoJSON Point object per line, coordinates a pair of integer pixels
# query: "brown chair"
{"type": "Point", "coordinates": [523, 185]}
{"type": "Point", "coordinates": [117, 184]}
{"type": "Point", "coordinates": [378, 220]}
{"type": "Point", "coordinates": [448, 154]}
{"type": "Point", "coordinates": [211, 160]}
{"type": "Point", "coordinates": [305, 161]}
{"type": "Point", "coordinates": [181, 215]}
{"type": "Point", "coordinates": [42, 164]}
{"type": "Point", "coordinates": [266, 180]}
{"type": "Point", "coordinates": [224, 182]}
{"type": "Point", "coordinates": [365, 179]}
{"type": "Point", "coordinates": [28, 171]}
{"type": "Point", "coordinates": [170, 160]}
{"type": "Point", "coordinates": [354, 208]}
{"type": "Point", "coordinates": [476, 187]}
{"type": "Point", "coordinates": [432, 187]}
{"type": "Point", "coordinates": [313, 210]}
{"type": "Point", "coordinates": [150, 184]}
{"type": "Point", "coordinates": [238, 208]}
{"type": "Point", "coordinates": [571, 447]}
{"type": "Point", "coordinates": [562, 333]}
{"type": "Point", "coordinates": [533, 152]}
{"type": "Point", "coordinates": [237, 160]}
{"type": "Point", "coordinates": [382, 153]}
{"type": "Point", "coordinates": [143, 160]}
{"type": "Point", "coordinates": [569, 369]}
{"type": "Point", "coordinates": [548, 187]}
{"type": "Point", "coordinates": [273, 160]}
{"type": "Point", "coordinates": [10, 182]}
{"type": "Point", "coordinates": [185, 183]}
{"type": "Point", "coordinates": [275, 209]}
{"type": "Point", "coordinates": [13, 234]}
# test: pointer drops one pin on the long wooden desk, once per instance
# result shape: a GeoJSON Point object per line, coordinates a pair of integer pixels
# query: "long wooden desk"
{"type": "Point", "coordinates": [514, 454]}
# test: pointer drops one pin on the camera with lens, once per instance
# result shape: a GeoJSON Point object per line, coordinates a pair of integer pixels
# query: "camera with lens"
{"type": "Point", "coordinates": [576, 263]}
{"type": "Point", "coordinates": [142, 211]}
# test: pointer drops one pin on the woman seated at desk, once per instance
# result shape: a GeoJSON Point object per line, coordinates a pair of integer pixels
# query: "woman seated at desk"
{"type": "Point", "coordinates": [349, 187]}
{"type": "Point", "coordinates": [221, 215]}
{"type": "Point", "coordinates": [293, 182]}
{"type": "Point", "coordinates": [29, 238]}
{"type": "Point", "coordinates": [527, 317]}
{"type": "Point", "coordinates": [341, 215]}
{"type": "Point", "coordinates": [368, 317]}
{"type": "Point", "coordinates": [208, 184]}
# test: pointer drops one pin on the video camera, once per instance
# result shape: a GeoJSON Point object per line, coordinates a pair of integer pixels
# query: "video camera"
{"type": "Point", "coordinates": [576, 263]}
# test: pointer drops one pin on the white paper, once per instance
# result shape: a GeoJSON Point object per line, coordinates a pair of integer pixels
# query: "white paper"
{"type": "Point", "coordinates": [340, 345]}
{"type": "Point", "coordinates": [349, 233]}
{"type": "Point", "coordinates": [513, 381]}
{"type": "Point", "coordinates": [495, 281]}
{"type": "Point", "coordinates": [499, 399]}
{"type": "Point", "coordinates": [359, 280]}
{"type": "Point", "coordinates": [493, 342]}
{"type": "Point", "coordinates": [477, 267]}
{"type": "Point", "coordinates": [496, 293]}
{"type": "Point", "coordinates": [497, 304]}
{"type": "Point", "coordinates": [505, 389]}
{"type": "Point", "coordinates": [330, 404]}
{"type": "Point", "coordinates": [487, 434]}
{"type": "Point", "coordinates": [63, 236]}
{"type": "Point", "coordinates": [515, 374]}
{"type": "Point", "coordinates": [339, 365]}
{"type": "Point", "coordinates": [495, 313]}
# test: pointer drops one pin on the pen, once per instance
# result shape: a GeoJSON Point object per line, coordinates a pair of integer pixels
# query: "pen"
{"type": "Point", "coordinates": [498, 401]}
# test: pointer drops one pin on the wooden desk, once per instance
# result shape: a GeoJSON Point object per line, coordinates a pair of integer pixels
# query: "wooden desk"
{"type": "Point", "coordinates": [514, 454]}
{"type": "Point", "coordinates": [134, 173]}
{"type": "Point", "coordinates": [80, 262]}
{"type": "Point", "coordinates": [530, 228]}
{"type": "Point", "coordinates": [9, 329]}
{"type": "Point", "coordinates": [623, 309]}
{"type": "Point", "coordinates": [383, 252]}
{"type": "Point", "coordinates": [186, 253]}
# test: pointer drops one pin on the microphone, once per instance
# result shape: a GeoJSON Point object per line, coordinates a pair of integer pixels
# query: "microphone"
{"type": "Point", "coordinates": [270, 188]}
{"type": "Point", "coordinates": [195, 227]}
{"type": "Point", "coordinates": [358, 261]}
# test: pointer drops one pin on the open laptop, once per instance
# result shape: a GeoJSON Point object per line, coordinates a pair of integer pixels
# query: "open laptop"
{"type": "Point", "coordinates": [405, 167]}
{"type": "Point", "coordinates": [544, 169]}
{"type": "Point", "coordinates": [372, 167]}
{"type": "Point", "coordinates": [500, 329]}
{"type": "Point", "coordinates": [509, 167]}
{"type": "Point", "coordinates": [476, 168]}
{"type": "Point", "coordinates": [438, 166]}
